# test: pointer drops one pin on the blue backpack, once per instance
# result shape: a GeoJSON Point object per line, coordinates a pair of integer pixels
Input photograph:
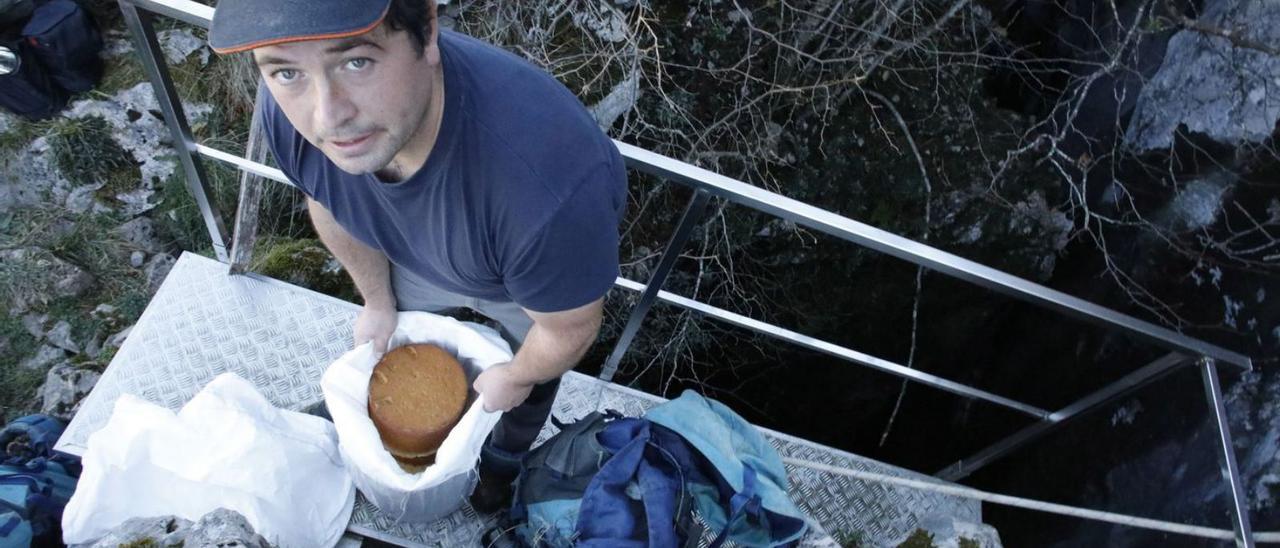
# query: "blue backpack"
{"type": "Point", "coordinates": [35, 482]}
{"type": "Point", "coordinates": [691, 468]}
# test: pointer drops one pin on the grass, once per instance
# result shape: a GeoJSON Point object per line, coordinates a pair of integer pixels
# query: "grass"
{"type": "Point", "coordinates": [86, 153]}
{"type": "Point", "coordinates": [16, 383]}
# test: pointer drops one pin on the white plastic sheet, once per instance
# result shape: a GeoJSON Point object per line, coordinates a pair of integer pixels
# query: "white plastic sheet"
{"type": "Point", "coordinates": [441, 488]}
{"type": "Point", "coordinates": [226, 448]}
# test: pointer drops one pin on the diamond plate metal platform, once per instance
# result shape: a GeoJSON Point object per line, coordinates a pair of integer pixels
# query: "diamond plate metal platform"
{"type": "Point", "coordinates": [203, 322]}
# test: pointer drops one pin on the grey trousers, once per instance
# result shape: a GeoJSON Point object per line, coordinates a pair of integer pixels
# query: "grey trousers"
{"type": "Point", "coordinates": [518, 428]}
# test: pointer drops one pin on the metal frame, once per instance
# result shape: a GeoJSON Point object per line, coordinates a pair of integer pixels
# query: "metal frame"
{"type": "Point", "coordinates": [1183, 350]}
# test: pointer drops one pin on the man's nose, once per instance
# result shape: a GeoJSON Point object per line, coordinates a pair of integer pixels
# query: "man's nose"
{"type": "Point", "coordinates": [334, 108]}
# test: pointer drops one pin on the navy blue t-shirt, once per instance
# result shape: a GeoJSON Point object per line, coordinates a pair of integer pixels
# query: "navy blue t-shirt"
{"type": "Point", "coordinates": [519, 200]}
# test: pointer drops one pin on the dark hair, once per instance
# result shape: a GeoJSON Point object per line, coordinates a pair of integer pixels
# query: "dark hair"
{"type": "Point", "coordinates": [413, 17]}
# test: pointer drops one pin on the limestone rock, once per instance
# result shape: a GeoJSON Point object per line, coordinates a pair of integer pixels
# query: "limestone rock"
{"type": "Point", "coordinates": [1212, 85]}
{"type": "Point", "coordinates": [620, 99]}
{"type": "Point", "coordinates": [65, 386]}
{"type": "Point", "coordinates": [60, 336]}
{"type": "Point", "coordinates": [224, 528]}
{"type": "Point", "coordinates": [118, 339]}
{"type": "Point", "coordinates": [162, 532]}
{"type": "Point", "coordinates": [141, 233]}
{"type": "Point", "coordinates": [157, 269]}
{"type": "Point", "coordinates": [44, 357]}
{"type": "Point", "coordinates": [34, 324]}
{"type": "Point", "coordinates": [179, 44]}
{"type": "Point", "coordinates": [948, 532]}
{"type": "Point", "coordinates": [221, 528]}
{"type": "Point", "coordinates": [63, 279]}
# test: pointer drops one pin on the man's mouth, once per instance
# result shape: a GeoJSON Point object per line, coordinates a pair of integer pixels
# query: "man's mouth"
{"type": "Point", "coordinates": [351, 143]}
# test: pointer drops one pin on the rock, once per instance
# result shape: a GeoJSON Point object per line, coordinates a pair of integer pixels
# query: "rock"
{"type": "Point", "coordinates": [948, 532]}
{"type": "Point", "coordinates": [1210, 84]}
{"type": "Point", "coordinates": [620, 99]}
{"type": "Point", "coordinates": [179, 44]}
{"type": "Point", "coordinates": [104, 310]}
{"type": "Point", "coordinates": [58, 278]}
{"type": "Point", "coordinates": [141, 233]}
{"type": "Point", "coordinates": [81, 198]}
{"type": "Point", "coordinates": [157, 269]}
{"type": "Point", "coordinates": [72, 281]}
{"type": "Point", "coordinates": [607, 23]}
{"type": "Point", "coordinates": [137, 201]}
{"type": "Point", "coordinates": [115, 341]}
{"type": "Point", "coordinates": [60, 336]}
{"type": "Point", "coordinates": [137, 129]}
{"type": "Point", "coordinates": [224, 528]}
{"type": "Point", "coordinates": [45, 356]}
{"type": "Point", "coordinates": [162, 532]}
{"type": "Point", "coordinates": [94, 347]}
{"type": "Point", "coordinates": [221, 528]}
{"type": "Point", "coordinates": [1197, 204]}
{"type": "Point", "coordinates": [29, 178]}
{"type": "Point", "coordinates": [137, 258]}
{"type": "Point", "coordinates": [65, 386]}
{"type": "Point", "coordinates": [34, 324]}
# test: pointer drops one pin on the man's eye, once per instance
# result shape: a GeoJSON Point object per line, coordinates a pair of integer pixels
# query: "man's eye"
{"type": "Point", "coordinates": [359, 63]}
{"type": "Point", "coordinates": [285, 75]}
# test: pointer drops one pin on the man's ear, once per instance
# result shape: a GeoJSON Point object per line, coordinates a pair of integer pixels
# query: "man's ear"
{"type": "Point", "coordinates": [432, 49]}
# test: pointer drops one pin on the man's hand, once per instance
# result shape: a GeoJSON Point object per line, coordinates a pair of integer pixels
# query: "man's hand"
{"type": "Point", "coordinates": [500, 389]}
{"type": "Point", "coordinates": [375, 324]}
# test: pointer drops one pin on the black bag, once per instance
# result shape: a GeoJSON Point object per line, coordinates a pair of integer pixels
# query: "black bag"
{"type": "Point", "coordinates": [25, 88]}
{"type": "Point", "coordinates": [65, 39]}
{"type": "Point", "coordinates": [13, 11]}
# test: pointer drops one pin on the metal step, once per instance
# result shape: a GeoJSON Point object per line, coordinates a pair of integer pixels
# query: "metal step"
{"type": "Point", "coordinates": [204, 322]}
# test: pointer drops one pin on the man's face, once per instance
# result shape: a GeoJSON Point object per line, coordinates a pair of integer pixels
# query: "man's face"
{"type": "Point", "coordinates": [361, 100]}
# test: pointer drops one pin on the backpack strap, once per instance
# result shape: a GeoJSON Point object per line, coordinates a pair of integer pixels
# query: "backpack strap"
{"type": "Point", "coordinates": [743, 503]}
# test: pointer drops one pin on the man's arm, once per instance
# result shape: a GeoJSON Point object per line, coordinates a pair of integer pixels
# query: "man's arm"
{"type": "Point", "coordinates": [553, 346]}
{"type": "Point", "coordinates": [369, 270]}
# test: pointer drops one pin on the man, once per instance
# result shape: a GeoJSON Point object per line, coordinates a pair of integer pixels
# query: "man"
{"type": "Point", "coordinates": [442, 173]}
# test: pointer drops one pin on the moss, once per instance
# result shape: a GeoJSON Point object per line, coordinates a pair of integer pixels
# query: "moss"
{"type": "Point", "coordinates": [307, 263]}
{"type": "Point", "coordinates": [969, 543]}
{"type": "Point", "coordinates": [919, 539]}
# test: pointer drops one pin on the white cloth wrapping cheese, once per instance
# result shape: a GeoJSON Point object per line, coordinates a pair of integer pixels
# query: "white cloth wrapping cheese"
{"type": "Point", "coordinates": [442, 487]}
{"type": "Point", "coordinates": [226, 448]}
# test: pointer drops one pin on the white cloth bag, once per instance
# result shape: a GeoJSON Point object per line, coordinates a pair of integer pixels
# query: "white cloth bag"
{"type": "Point", "coordinates": [226, 448]}
{"type": "Point", "coordinates": [442, 487]}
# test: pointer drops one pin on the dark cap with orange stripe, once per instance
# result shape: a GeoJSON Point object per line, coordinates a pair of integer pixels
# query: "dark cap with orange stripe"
{"type": "Point", "coordinates": [242, 25]}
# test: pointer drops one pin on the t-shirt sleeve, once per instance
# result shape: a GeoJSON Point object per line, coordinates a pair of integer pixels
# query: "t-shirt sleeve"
{"type": "Point", "coordinates": [573, 259]}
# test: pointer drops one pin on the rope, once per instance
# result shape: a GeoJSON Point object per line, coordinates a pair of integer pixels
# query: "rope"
{"type": "Point", "coordinates": [1052, 508]}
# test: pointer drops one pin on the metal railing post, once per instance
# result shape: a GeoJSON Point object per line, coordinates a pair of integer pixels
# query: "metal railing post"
{"type": "Point", "coordinates": [1230, 470]}
{"type": "Point", "coordinates": [669, 255]}
{"type": "Point", "coordinates": [144, 37]}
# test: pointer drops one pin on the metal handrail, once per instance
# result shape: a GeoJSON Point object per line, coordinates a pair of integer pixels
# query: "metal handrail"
{"type": "Point", "coordinates": [706, 184]}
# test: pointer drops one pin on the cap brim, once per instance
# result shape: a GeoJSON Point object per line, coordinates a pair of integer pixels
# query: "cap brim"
{"type": "Point", "coordinates": [242, 25]}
